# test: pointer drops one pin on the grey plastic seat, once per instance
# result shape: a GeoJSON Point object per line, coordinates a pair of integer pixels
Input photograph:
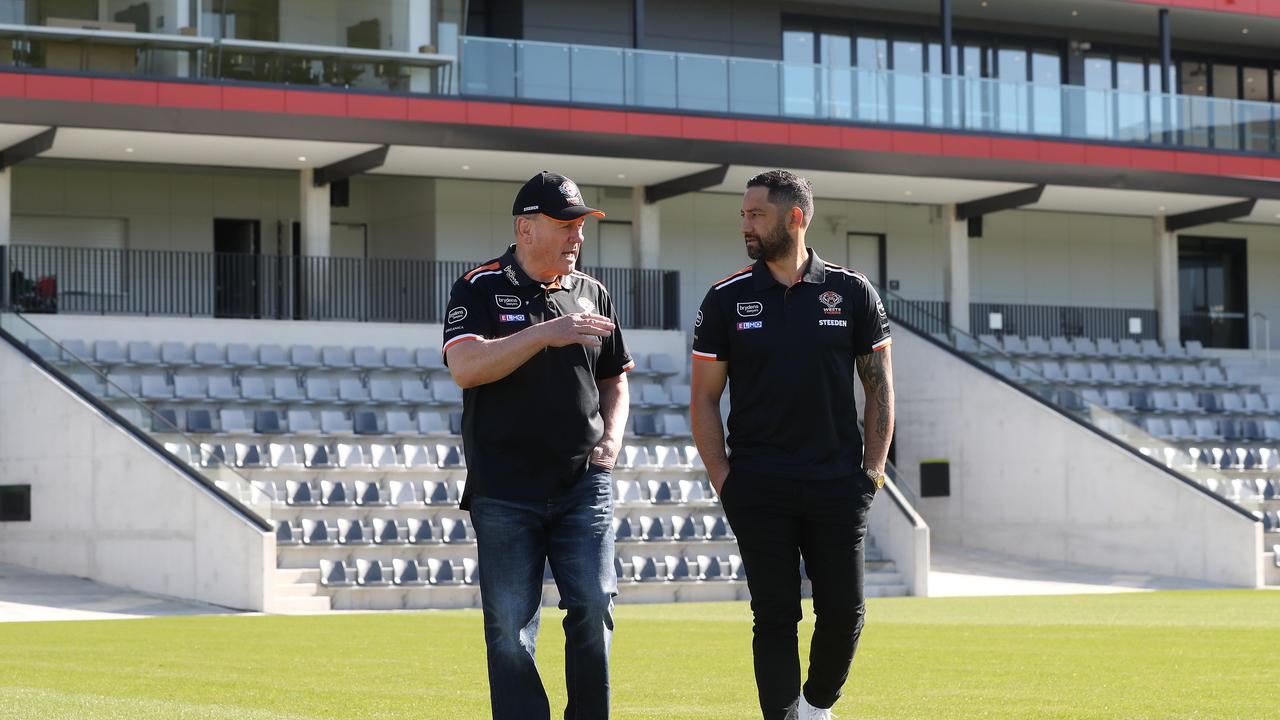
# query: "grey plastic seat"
{"type": "Point", "coordinates": [1099, 373]}
{"type": "Point", "coordinates": [315, 455]}
{"type": "Point", "coordinates": [334, 422]}
{"type": "Point", "coordinates": [421, 532]}
{"type": "Point", "coordinates": [1207, 429]}
{"type": "Point", "coordinates": [716, 528]}
{"type": "Point", "coordinates": [445, 392]}
{"type": "Point", "coordinates": [384, 391]}
{"type": "Point", "coordinates": [241, 355]}
{"type": "Point", "coordinates": [1059, 345]}
{"type": "Point", "coordinates": [455, 530]}
{"type": "Point", "coordinates": [1186, 402]}
{"type": "Point", "coordinates": [684, 528]}
{"type": "Point", "coordinates": [109, 353]}
{"type": "Point", "coordinates": [432, 423]}
{"type": "Point", "coordinates": [414, 392]}
{"type": "Point", "coordinates": [398, 358]}
{"type": "Point", "coordinates": [1169, 374]}
{"type": "Point", "coordinates": [350, 390]}
{"type": "Point", "coordinates": [316, 532]}
{"type": "Point", "coordinates": [205, 354]}
{"type": "Point", "coordinates": [272, 356]}
{"type": "Point", "coordinates": [267, 422]}
{"type": "Point", "coordinates": [622, 529]}
{"type": "Point", "coordinates": [677, 568]}
{"type": "Point", "coordinates": [644, 568]}
{"type": "Point", "coordinates": [384, 456]}
{"type": "Point", "coordinates": [367, 358]}
{"type": "Point", "coordinates": [418, 457]}
{"type": "Point", "coordinates": [399, 423]}
{"type": "Point", "coordinates": [285, 533]}
{"type": "Point", "coordinates": [1051, 370]}
{"type": "Point", "coordinates": [675, 424]}
{"type": "Point", "coordinates": [652, 528]}
{"type": "Point", "coordinates": [248, 455]}
{"type": "Point", "coordinates": [303, 422]}
{"type": "Point", "coordinates": [646, 425]}
{"type": "Point", "coordinates": [1213, 375]}
{"type": "Point", "coordinates": [366, 422]}
{"type": "Point", "coordinates": [334, 574]}
{"type": "Point", "coordinates": [254, 389]}
{"type": "Point", "coordinates": [662, 364]}
{"type": "Point", "coordinates": [320, 390]}
{"type": "Point", "coordinates": [142, 353]}
{"type": "Point", "coordinates": [73, 350]}
{"type": "Point", "coordinates": [1130, 348]}
{"type": "Point", "coordinates": [1158, 427]}
{"type": "Point", "coordinates": [1015, 345]}
{"type": "Point", "coordinates": [428, 359]}
{"type": "Point", "coordinates": [189, 387]}
{"type": "Point", "coordinates": [286, 389]}
{"type": "Point", "coordinates": [1122, 373]}
{"type": "Point", "coordinates": [1151, 348]}
{"type": "Point", "coordinates": [1192, 375]}
{"type": "Point", "coordinates": [299, 493]}
{"type": "Point", "coordinates": [1037, 345]}
{"type": "Point", "coordinates": [654, 395]}
{"type": "Point", "coordinates": [283, 455]}
{"type": "Point", "coordinates": [334, 493]}
{"type": "Point", "coordinates": [304, 356]}
{"type": "Point", "coordinates": [1180, 429]}
{"type": "Point", "coordinates": [199, 421]}
{"type": "Point", "coordinates": [175, 354]}
{"type": "Point", "coordinates": [370, 494]}
{"type": "Point", "coordinates": [1084, 346]}
{"type": "Point", "coordinates": [406, 572]}
{"type": "Point", "coordinates": [334, 356]}
{"type": "Point", "coordinates": [351, 532]}
{"type": "Point", "coordinates": [1195, 349]}
{"type": "Point", "coordinates": [121, 385]}
{"type": "Point", "coordinates": [451, 457]}
{"type": "Point", "coordinates": [369, 573]}
{"type": "Point", "coordinates": [1118, 400]}
{"type": "Point", "coordinates": [154, 387]}
{"type": "Point", "coordinates": [222, 388]}
{"type": "Point", "coordinates": [441, 572]}
{"type": "Point", "coordinates": [1108, 348]}
{"type": "Point", "coordinates": [97, 385]}
{"type": "Point", "coordinates": [46, 349]}
{"type": "Point", "coordinates": [234, 421]}
{"type": "Point", "coordinates": [709, 568]}
{"type": "Point", "coordinates": [1146, 373]}
{"type": "Point", "coordinates": [386, 531]}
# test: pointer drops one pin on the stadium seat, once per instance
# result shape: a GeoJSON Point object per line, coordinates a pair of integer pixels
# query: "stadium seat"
{"type": "Point", "coordinates": [400, 493]}
{"type": "Point", "coordinates": [320, 390]}
{"type": "Point", "coordinates": [662, 364]}
{"type": "Point", "coordinates": [352, 390]}
{"type": "Point", "coordinates": [206, 354]}
{"type": "Point", "coordinates": [644, 568]}
{"type": "Point", "coordinates": [407, 573]}
{"type": "Point", "coordinates": [335, 357]}
{"type": "Point", "coordinates": [455, 531]}
{"type": "Point", "coordinates": [384, 457]}
{"type": "Point", "coordinates": [283, 455]}
{"type": "Point", "coordinates": [677, 568]}
{"type": "Point", "coordinates": [384, 391]}
{"type": "Point", "coordinates": [316, 532]}
{"type": "Point", "coordinates": [164, 420]}
{"type": "Point", "coordinates": [365, 422]}
{"type": "Point", "coordinates": [334, 574]}
{"type": "Point", "coordinates": [440, 572]}
{"type": "Point", "coordinates": [737, 570]}
{"type": "Point", "coordinates": [652, 528]}
{"type": "Point", "coordinates": [248, 455]}
{"type": "Point", "coordinates": [303, 422]}
{"type": "Point", "coordinates": [267, 422]}
{"type": "Point", "coordinates": [709, 568]}
{"type": "Point", "coordinates": [1014, 345]}
{"type": "Point", "coordinates": [414, 392]}
{"type": "Point", "coordinates": [445, 392]}
{"type": "Point", "coordinates": [715, 528]}
{"type": "Point", "coordinates": [450, 456]}
{"type": "Point", "coordinates": [470, 571]}
{"type": "Point", "coordinates": [272, 356]}
{"type": "Point", "coordinates": [304, 356]}
{"type": "Point", "coordinates": [660, 492]}
{"type": "Point", "coordinates": [352, 457]}
{"type": "Point", "coordinates": [222, 388]}
{"type": "Point", "coordinates": [299, 493]}
{"type": "Point", "coordinates": [685, 528]}
{"type": "Point", "coordinates": [622, 529]}
{"type": "Point", "coordinates": [254, 389]}
{"type": "Point", "coordinates": [335, 422]}
{"type": "Point", "coordinates": [365, 357]}
{"type": "Point", "coordinates": [175, 354]}
{"type": "Point", "coordinates": [398, 358]}
{"type": "Point", "coordinates": [234, 421]}
{"type": "Point", "coordinates": [240, 355]}
{"type": "Point", "coordinates": [285, 389]}
{"type": "Point", "coordinates": [1037, 345]}
{"type": "Point", "coordinates": [420, 532]}
{"type": "Point", "coordinates": [334, 493]}
{"type": "Point", "coordinates": [285, 534]}
{"type": "Point", "coordinates": [418, 457]}
{"type": "Point", "coordinates": [428, 359]}
{"type": "Point", "coordinates": [369, 574]}
{"type": "Point", "coordinates": [351, 532]}
{"type": "Point", "coordinates": [199, 421]}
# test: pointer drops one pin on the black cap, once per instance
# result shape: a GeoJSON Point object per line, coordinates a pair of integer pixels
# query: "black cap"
{"type": "Point", "coordinates": [553, 195]}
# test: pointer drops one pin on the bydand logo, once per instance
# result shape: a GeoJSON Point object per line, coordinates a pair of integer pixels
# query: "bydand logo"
{"type": "Point", "coordinates": [751, 325]}
{"type": "Point", "coordinates": [750, 309]}
{"type": "Point", "coordinates": [511, 318]}
{"type": "Point", "coordinates": [457, 315]}
{"type": "Point", "coordinates": [507, 302]}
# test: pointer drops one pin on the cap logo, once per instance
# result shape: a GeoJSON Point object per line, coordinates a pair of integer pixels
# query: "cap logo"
{"type": "Point", "coordinates": [530, 208]}
{"type": "Point", "coordinates": [570, 192]}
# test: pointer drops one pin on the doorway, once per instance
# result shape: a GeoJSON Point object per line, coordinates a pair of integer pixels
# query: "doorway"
{"type": "Point", "coordinates": [866, 254]}
{"type": "Point", "coordinates": [1213, 291]}
{"type": "Point", "coordinates": [237, 246]}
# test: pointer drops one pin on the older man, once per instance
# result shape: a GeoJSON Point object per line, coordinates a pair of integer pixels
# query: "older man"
{"type": "Point", "coordinates": [535, 345]}
{"type": "Point", "coordinates": [789, 333]}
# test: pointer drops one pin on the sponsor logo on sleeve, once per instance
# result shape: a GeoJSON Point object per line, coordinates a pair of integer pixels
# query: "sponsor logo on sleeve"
{"type": "Point", "coordinates": [751, 325]}
{"type": "Point", "coordinates": [698, 320]}
{"type": "Point", "coordinates": [750, 309]}
{"type": "Point", "coordinates": [507, 302]}
{"type": "Point", "coordinates": [457, 315]}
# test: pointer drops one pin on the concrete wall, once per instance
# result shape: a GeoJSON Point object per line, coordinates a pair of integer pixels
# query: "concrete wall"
{"type": "Point", "coordinates": [105, 507]}
{"type": "Point", "coordinates": [1028, 482]}
{"type": "Point", "coordinates": [903, 535]}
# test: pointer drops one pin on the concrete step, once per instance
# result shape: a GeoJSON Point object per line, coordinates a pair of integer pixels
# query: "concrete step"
{"type": "Point", "coordinates": [286, 576]}
{"type": "Point", "coordinates": [302, 605]}
{"type": "Point", "coordinates": [881, 578]}
{"type": "Point", "coordinates": [878, 591]}
{"type": "Point", "coordinates": [292, 590]}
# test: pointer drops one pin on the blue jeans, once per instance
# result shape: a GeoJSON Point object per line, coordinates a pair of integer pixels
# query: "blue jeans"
{"type": "Point", "coordinates": [574, 531]}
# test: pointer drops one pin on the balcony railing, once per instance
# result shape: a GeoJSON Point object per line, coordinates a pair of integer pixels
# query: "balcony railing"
{"type": "Point", "coordinates": [510, 69]}
{"type": "Point", "coordinates": [49, 279]}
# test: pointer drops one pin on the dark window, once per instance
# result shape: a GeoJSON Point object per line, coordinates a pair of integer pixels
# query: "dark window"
{"type": "Point", "coordinates": [15, 503]}
{"type": "Point", "coordinates": [1213, 291]}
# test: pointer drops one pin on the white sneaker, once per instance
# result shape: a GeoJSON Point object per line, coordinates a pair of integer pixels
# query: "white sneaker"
{"type": "Point", "coordinates": [805, 711]}
{"type": "Point", "coordinates": [793, 710]}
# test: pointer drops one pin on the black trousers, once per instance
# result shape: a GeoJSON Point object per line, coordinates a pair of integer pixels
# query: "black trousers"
{"type": "Point", "coordinates": [779, 521]}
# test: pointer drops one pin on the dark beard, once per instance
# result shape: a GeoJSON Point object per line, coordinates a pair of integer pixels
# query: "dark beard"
{"type": "Point", "coordinates": [773, 245]}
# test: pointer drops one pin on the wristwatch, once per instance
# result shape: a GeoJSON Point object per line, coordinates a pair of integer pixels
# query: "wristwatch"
{"type": "Point", "coordinates": [875, 476]}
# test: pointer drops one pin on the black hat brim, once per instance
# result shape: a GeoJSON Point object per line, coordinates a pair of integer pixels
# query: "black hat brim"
{"type": "Point", "coordinates": [573, 212]}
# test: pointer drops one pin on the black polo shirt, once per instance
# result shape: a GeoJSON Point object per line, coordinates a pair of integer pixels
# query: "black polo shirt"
{"type": "Point", "coordinates": [528, 435]}
{"type": "Point", "coordinates": [791, 355]}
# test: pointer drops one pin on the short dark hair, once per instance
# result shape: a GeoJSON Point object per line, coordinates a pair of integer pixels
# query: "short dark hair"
{"type": "Point", "coordinates": [787, 189]}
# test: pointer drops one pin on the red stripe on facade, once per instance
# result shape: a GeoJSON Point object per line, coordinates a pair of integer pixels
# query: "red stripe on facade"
{"type": "Point", "coordinates": [378, 107]}
{"type": "Point", "coordinates": [189, 95]}
{"type": "Point", "coordinates": [1265, 8]}
{"type": "Point", "coordinates": [483, 113]}
{"type": "Point", "coordinates": [248, 99]}
{"type": "Point", "coordinates": [303, 102]}
{"type": "Point", "coordinates": [59, 87]}
{"type": "Point", "coordinates": [125, 92]}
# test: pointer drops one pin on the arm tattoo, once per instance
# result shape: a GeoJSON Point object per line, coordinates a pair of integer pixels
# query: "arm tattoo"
{"type": "Point", "coordinates": [871, 370]}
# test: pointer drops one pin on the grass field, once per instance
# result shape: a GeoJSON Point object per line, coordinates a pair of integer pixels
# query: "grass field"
{"type": "Point", "coordinates": [1204, 654]}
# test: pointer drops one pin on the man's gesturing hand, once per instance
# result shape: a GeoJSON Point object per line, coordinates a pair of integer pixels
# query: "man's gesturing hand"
{"type": "Point", "coordinates": [584, 328]}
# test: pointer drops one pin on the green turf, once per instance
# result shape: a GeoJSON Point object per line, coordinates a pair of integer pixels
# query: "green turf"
{"type": "Point", "coordinates": [1148, 655]}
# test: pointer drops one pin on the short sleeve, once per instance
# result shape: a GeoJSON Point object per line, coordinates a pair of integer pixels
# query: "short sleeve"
{"type": "Point", "coordinates": [710, 336]}
{"type": "Point", "coordinates": [870, 321]}
{"type": "Point", "coordinates": [615, 359]}
{"type": "Point", "coordinates": [467, 317]}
